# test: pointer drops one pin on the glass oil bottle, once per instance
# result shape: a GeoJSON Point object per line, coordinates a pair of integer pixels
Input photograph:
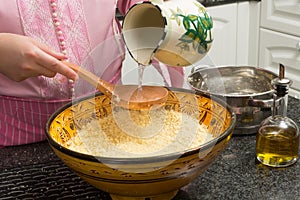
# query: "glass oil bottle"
{"type": "Point", "coordinates": [277, 140]}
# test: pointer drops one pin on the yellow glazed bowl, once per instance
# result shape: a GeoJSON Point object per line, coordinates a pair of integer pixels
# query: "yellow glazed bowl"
{"type": "Point", "coordinates": [156, 177]}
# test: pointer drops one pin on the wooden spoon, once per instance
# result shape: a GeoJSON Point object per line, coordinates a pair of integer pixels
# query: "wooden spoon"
{"type": "Point", "coordinates": [127, 96]}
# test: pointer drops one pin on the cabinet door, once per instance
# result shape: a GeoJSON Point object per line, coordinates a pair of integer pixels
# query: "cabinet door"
{"type": "Point", "coordinates": [281, 15]}
{"type": "Point", "coordinates": [248, 22]}
{"type": "Point", "coordinates": [223, 50]}
{"type": "Point", "coordinates": [278, 48]}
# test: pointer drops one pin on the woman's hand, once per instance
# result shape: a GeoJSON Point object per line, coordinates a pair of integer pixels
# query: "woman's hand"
{"type": "Point", "coordinates": [22, 57]}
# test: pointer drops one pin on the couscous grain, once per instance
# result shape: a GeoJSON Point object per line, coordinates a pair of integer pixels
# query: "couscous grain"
{"type": "Point", "coordinates": [139, 134]}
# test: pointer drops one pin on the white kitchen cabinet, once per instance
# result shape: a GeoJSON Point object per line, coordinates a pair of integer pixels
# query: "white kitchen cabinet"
{"type": "Point", "coordinates": [280, 39]}
{"type": "Point", "coordinates": [223, 50]}
{"type": "Point", "coordinates": [236, 28]}
{"type": "Point", "coordinates": [278, 48]}
{"type": "Point", "coordinates": [248, 21]}
{"type": "Point", "coordinates": [281, 15]}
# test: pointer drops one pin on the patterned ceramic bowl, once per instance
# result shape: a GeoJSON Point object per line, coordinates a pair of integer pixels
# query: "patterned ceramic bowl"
{"type": "Point", "coordinates": [154, 177]}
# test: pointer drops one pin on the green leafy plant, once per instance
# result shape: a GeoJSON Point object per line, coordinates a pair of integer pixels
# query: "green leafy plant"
{"type": "Point", "coordinates": [198, 29]}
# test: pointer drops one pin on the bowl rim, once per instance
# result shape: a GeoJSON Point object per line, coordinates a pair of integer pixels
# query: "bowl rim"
{"type": "Point", "coordinates": [141, 160]}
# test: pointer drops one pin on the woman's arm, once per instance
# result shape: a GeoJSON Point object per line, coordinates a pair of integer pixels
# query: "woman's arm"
{"type": "Point", "coordinates": [23, 57]}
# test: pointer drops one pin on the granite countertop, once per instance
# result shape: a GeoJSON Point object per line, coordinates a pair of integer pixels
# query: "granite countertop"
{"type": "Point", "coordinates": [208, 3]}
{"type": "Point", "coordinates": [35, 172]}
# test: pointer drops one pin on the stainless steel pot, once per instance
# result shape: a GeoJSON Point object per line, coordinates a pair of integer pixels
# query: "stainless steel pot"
{"type": "Point", "coordinates": [246, 89]}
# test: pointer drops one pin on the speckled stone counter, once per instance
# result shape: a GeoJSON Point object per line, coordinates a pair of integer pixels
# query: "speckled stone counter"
{"type": "Point", "coordinates": [35, 172]}
{"type": "Point", "coordinates": [208, 3]}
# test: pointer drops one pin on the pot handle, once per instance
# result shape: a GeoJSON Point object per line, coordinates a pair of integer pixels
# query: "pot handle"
{"type": "Point", "coordinates": [267, 103]}
{"type": "Point", "coordinates": [199, 67]}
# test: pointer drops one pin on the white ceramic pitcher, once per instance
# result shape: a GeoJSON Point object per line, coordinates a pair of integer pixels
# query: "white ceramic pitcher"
{"type": "Point", "coordinates": [175, 32]}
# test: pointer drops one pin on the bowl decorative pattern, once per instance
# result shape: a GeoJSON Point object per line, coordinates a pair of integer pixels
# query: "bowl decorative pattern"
{"type": "Point", "coordinates": [157, 177]}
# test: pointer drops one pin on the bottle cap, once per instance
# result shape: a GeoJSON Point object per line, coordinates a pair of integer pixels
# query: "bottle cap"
{"type": "Point", "coordinates": [281, 84]}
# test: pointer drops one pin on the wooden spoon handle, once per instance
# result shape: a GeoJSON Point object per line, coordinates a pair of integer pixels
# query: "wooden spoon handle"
{"type": "Point", "coordinates": [102, 85]}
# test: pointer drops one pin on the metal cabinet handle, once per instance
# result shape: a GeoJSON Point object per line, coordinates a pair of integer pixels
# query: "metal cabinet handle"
{"type": "Point", "coordinates": [298, 46]}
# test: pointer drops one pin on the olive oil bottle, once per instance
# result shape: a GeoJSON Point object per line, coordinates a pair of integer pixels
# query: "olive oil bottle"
{"type": "Point", "coordinates": [277, 140]}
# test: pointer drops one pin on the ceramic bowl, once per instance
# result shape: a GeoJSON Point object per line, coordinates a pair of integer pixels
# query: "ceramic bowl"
{"type": "Point", "coordinates": [153, 177]}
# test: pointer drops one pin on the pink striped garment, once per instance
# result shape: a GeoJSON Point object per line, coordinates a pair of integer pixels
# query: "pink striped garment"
{"type": "Point", "coordinates": [26, 106]}
{"type": "Point", "coordinates": [23, 120]}
{"type": "Point", "coordinates": [89, 27]}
